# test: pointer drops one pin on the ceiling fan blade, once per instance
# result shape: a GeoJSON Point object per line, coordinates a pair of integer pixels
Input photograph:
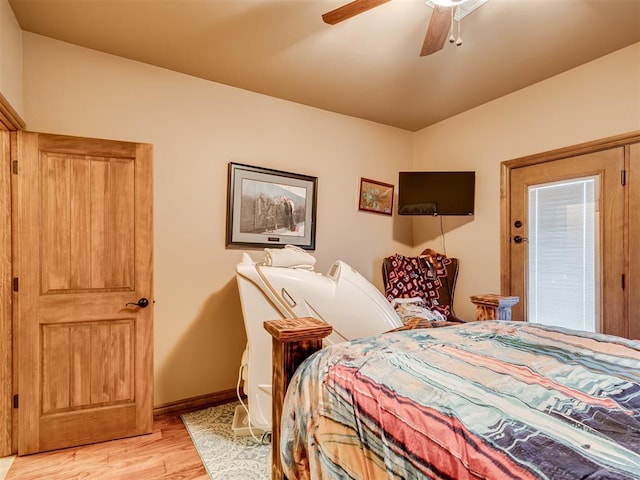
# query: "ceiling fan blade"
{"type": "Point", "coordinates": [350, 10]}
{"type": "Point", "coordinates": [437, 31]}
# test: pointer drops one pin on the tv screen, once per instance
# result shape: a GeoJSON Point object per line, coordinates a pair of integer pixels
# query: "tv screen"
{"type": "Point", "coordinates": [436, 193]}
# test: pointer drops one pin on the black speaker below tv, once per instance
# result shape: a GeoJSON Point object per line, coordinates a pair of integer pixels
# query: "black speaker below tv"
{"type": "Point", "coordinates": [436, 193]}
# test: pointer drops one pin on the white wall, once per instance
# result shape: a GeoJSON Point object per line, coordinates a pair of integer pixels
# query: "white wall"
{"type": "Point", "coordinates": [10, 58]}
{"type": "Point", "coordinates": [596, 100]}
{"type": "Point", "coordinates": [197, 127]}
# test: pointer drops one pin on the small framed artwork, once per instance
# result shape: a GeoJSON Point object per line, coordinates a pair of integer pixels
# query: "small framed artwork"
{"type": "Point", "coordinates": [376, 196]}
{"type": "Point", "coordinates": [270, 208]}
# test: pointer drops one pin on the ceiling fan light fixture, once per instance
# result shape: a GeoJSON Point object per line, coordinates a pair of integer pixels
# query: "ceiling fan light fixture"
{"type": "Point", "coordinates": [448, 3]}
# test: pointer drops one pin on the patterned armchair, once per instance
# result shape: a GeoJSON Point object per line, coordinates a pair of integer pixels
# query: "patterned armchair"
{"type": "Point", "coordinates": [430, 276]}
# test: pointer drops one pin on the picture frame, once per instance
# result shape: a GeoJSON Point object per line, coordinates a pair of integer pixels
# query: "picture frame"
{"type": "Point", "coordinates": [376, 197]}
{"type": "Point", "coordinates": [270, 208]}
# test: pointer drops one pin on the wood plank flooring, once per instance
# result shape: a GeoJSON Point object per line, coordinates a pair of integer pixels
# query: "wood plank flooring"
{"type": "Point", "coordinates": [166, 453]}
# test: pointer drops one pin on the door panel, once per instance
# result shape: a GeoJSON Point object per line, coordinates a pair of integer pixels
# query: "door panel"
{"type": "Point", "coordinates": [88, 227]}
{"type": "Point", "coordinates": [71, 382]}
{"type": "Point", "coordinates": [84, 233]}
{"type": "Point", "coordinates": [607, 165]}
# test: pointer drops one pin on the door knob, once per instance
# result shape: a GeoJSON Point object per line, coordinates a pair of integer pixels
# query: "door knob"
{"type": "Point", "coordinates": [142, 303]}
{"type": "Point", "coordinates": [519, 239]}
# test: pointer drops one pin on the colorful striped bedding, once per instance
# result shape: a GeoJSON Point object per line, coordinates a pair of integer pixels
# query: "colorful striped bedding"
{"type": "Point", "coordinates": [484, 400]}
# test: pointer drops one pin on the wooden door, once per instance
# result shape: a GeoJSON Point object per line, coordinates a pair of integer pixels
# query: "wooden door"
{"type": "Point", "coordinates": [607, 166]}
{"type": "Point", "coordinates": [83, 227]}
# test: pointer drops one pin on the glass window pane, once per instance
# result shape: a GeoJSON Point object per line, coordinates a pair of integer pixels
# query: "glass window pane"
{"type": "Point", "coordinates": [563, 238]}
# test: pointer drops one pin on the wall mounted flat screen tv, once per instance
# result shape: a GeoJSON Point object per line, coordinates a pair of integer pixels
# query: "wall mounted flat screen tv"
{"type": "Point", "coordinates": [436, 193]}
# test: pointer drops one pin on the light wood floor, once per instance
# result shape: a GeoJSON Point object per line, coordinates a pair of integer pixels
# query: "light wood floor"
{"type": "Point", "coordinates": [166, 454]}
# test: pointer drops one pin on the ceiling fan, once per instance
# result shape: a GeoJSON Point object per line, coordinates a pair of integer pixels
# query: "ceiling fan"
{"type": "Point", "coordinates": [440, 25]}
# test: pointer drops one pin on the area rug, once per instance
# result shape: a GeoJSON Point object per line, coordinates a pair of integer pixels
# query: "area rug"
{"type": "Point", "coordinates": [225, 456]}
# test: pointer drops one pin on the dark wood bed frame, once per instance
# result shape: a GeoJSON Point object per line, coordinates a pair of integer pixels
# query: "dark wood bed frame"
{"type": "Point", "coordinates": [293, 340]}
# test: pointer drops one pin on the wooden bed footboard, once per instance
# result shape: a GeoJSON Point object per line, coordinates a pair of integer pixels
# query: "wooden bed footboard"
{"type": "Point", "coordinates": [293, 341]}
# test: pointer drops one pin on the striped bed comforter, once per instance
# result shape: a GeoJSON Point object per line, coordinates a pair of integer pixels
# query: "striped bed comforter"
{"type": "Point", "coordinates": [484, 400]}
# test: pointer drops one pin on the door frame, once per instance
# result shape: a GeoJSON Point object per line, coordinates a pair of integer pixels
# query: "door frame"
{"type": "Point", "coordinates": [10, 121]}
{"type": "Point", "coordinates": [623, 140]}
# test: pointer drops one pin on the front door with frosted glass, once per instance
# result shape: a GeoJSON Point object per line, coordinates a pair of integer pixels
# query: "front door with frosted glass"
{"type": "Point", "coordinates": [566, 240]}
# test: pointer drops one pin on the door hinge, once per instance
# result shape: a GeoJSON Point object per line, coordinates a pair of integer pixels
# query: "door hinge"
{"type": "Point", "coordinates": [16, 401]}
{"type": "Point", "coordinates": [14, 167]}
{"type": "Point", "coordinates": [623, 281]}
{"type": "Point", "coordinates": [15, 284]}
{"type": "Point", "coordinates": [623, 177]}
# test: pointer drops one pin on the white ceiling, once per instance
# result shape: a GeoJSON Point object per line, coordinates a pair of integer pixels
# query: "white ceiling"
{"type": "Point", "coordinates": [368, 66]}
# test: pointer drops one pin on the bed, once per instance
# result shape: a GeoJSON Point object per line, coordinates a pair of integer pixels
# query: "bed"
{"type": "Point", "coordinates": [481, 400]}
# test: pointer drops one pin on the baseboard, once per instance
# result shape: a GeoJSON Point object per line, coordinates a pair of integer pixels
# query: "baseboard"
{"type": "Point", "coordinates": [196, 403]}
